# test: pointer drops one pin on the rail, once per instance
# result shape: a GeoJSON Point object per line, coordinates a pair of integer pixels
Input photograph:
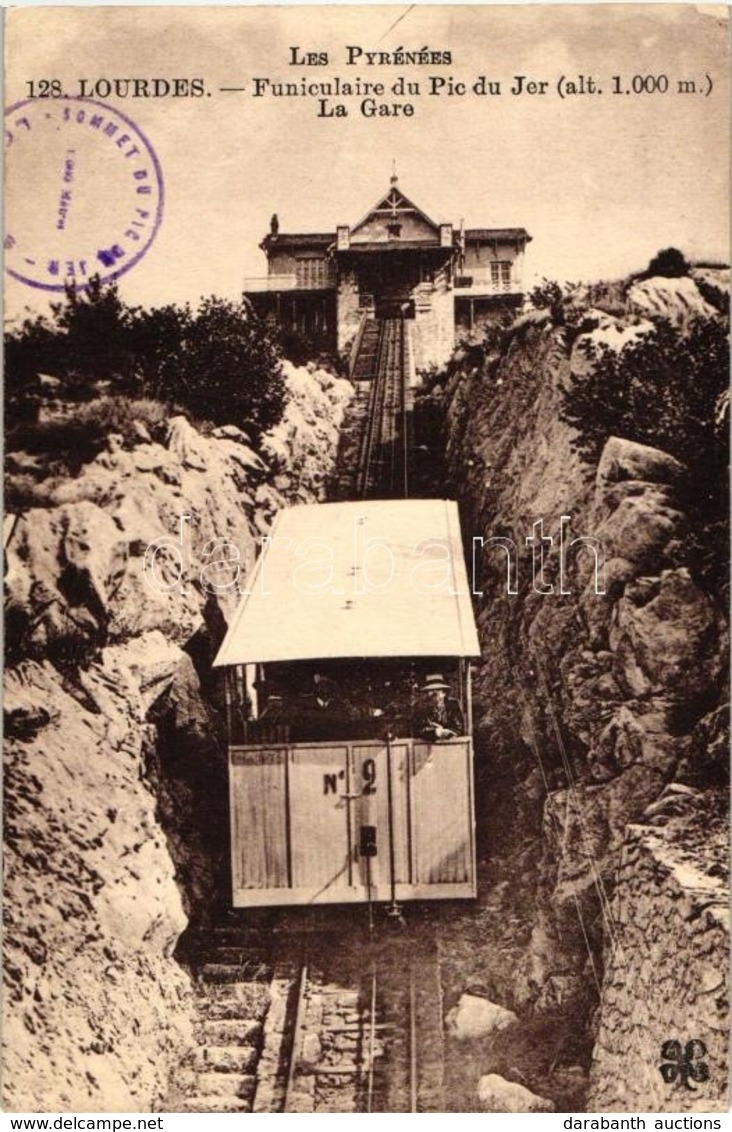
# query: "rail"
{"type": "Point", "coordinates": [383, 464]}
{"type": "Point", "coordinates": [395, 1034]}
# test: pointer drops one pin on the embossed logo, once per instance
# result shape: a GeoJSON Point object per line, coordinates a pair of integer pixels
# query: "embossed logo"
{"type": "Point", "coordinates": [685, 1064]}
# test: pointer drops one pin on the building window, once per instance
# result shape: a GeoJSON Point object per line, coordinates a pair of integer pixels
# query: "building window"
{"type": "Point", "coordinates": [313, 273]}
{"type": "Point", "coordinates": [501, 274]}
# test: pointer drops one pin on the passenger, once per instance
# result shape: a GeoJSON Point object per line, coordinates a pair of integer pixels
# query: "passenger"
{"type": "Point", "coordinates": [441, 716]}
{"type": "Point", "coordinates": [323, 713]}
{"type": "Point", "coordinates": [273, 724]}
{"type": "Point", "coordinates": [273, 709]}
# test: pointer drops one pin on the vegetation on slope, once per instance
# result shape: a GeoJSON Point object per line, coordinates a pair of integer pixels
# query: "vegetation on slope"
{"type": "Point", "coordinates": [219, 363]}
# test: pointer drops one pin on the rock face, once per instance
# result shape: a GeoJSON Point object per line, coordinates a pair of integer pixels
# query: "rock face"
{"type": "Point", "coordinates": [601, 679]}
{"type": "Point", "coordinates": [80, 571]}
{"type": "Point", "coordinates": [671, 917]}
{"type": "Point", "coordinates": [95, 1008]}
{"type": "Point", "coordinates": [677, 300]}
{"type": "Point", "coordinates": [110, 745]}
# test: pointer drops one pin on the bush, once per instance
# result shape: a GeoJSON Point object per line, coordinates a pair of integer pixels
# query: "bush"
{"type": "Point", "coordinates": [78, 433]}
{"type": "Point", "coordinates": [546, 295]}
{"type": "Point", "coordinates": [221, 363]}
{"type": "Point", "coordinates": [664, 390]}
{"type": "Point", "coordinates": [669, 263]}
{"type": "Point", "coordinates": [550, 295]}
{"type": "Point", "coordinates": [230, 369]}
{"type": "Point", "coordinates": [120, 414]}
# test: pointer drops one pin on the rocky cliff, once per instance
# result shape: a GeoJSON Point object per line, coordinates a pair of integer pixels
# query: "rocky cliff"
{"type": "Point", "coordinates": [601, 689]}
{"type": "Point", "coordinates": [113, 770]}
{"type": "Point", "coordinates": [665, 986]}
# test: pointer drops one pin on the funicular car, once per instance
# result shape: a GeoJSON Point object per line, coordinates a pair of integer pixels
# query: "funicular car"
{"type": "Point", "coordinates": [343, 788]}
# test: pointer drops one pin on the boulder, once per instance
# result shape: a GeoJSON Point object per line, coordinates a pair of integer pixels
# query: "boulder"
{"type": "Point", "coordinates": [638, 732]}
{"type": "Point", "coordinates": [627, 460]}
{"type": "Point", "coordinates": [640, 528]}
{"type": "Point", "coordinates": [586, 827]}
{"type": "Point", "coordinates": [65, 566]}
{"type": "Point", "coordinates": [150, 457]}
{"type": "Point", "coordinates": [669, 640]}
{"type": "Point", "coordinates": [94, 554]}
{"type": "Point", "coordinates": [713, 276]}
{"type": "Point", "coordinates": [141, 431]}
{"type": "Point", "coordinates": [496, 1094]}
{"type": "Point", "coordinates": [192, 449]}
{"type": "Point", "coordinates": [476, 1017]}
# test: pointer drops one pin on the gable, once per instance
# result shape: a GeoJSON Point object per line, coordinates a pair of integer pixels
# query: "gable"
{"type": "Point", "coordinates": [395, 208]}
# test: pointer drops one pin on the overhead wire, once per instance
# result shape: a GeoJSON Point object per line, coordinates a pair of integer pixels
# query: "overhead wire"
{"type": "Point", "coordinates": [573, 794]}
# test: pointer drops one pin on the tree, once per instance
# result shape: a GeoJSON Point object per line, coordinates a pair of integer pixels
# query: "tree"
{"type": "Point", "coordinates": [221, 363]}
{"type": "Point", "coordinates": [94, 343]}
{"type": "Point", "coordinates": [158, 340]}
{"type": "Point", "coordinates": [30, 351]}
{"type": "Point", "coordinates": [230, 368]}
{"type": "Point", "coordinates": [670, 263]}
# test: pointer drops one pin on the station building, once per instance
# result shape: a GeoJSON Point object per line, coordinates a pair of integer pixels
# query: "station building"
{"type": "Point", "coordinates": [394, 263]}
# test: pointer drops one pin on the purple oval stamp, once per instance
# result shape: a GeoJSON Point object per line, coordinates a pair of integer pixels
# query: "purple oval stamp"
{"type": "Point", "coordinates": [83, 192]}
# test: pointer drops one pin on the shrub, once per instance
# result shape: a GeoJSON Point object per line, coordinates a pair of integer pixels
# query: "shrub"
{"type": "Point", "coordinates": [552, 296]}
{"type": "Point", "coordinates": [546, 295]}
{"type": "Point", "coordinates": [73, 437]}
{"type": "Point", "coordinates": [229, 370]}
{"type": "Point", "coordinates": [221, 363]}
{"type": "Point", "coordinates": [669, 263]}
{"type": "Point", "coordinates": [121, 414]}
{"type": "Point", "coordinates": [663, 389]}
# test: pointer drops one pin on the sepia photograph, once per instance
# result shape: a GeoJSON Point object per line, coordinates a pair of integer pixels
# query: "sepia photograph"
{"type": "Point", "coordinates": [366, 560]}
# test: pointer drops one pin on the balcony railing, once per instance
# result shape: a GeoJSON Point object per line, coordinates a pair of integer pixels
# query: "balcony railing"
{"type": "Point", "coordinates": [270, 283]}
{"type": "Point", "coordinates": [475, 285]}
{"type": "Point", "coordinates": [289, 282]}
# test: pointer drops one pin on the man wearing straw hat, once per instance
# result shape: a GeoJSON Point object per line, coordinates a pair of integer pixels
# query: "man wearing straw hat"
{"type": "Point", "coordinates": [441, 716]}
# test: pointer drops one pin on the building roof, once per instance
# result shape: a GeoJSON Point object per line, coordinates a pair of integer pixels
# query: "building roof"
{"type": "Point", "coordinates": [496, 234]}
{"type": "Point", "coordinates": [376, 578]}
{"type": "Point", "coordinates": [298, 239]}
{"type": "Point", "coordinates": [325, 239]}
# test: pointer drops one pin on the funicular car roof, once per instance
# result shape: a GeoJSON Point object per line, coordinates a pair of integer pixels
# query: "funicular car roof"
{"type": "Point", "coordinates": [321, 590]}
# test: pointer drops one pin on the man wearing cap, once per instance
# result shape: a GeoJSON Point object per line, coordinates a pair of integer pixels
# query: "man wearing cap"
{"type": "Point", "coordinates": [440, 716]}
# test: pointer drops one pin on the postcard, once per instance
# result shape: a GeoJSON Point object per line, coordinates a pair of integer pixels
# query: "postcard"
{"type": "Point", "coordinates": [366, 562]}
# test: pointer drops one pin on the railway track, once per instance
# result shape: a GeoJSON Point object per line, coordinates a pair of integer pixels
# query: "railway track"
{"type": "Point", "coordinates": [374, 449]}
{"type": "Point", "coordinates": [383, 460]}
{"type": "Point", "coordinates": [366, 1032]}
{"type": "Point", "coordinates": [354, 1024]}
